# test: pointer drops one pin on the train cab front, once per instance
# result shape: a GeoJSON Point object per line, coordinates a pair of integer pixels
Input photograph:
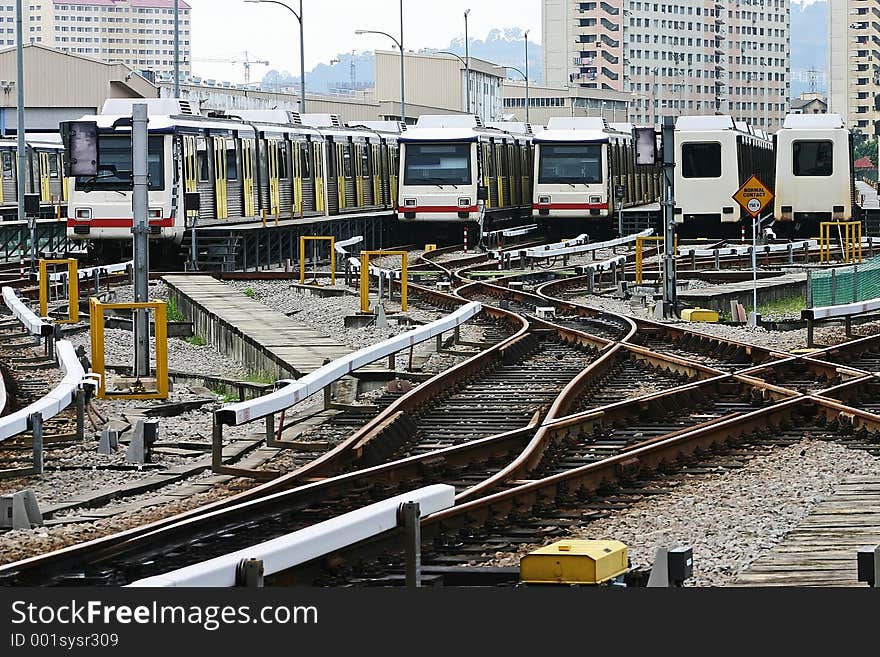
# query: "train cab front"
{"type": "Point", "coordinates": [570, 182]}
{"type": "Point", "coordinates": [100, 206]}
{"type": "Point", "coordinates": [438, 182]}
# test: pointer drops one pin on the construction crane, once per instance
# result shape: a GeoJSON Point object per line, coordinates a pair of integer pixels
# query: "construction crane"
{"type": "Point", "coordinates": [247, 62]}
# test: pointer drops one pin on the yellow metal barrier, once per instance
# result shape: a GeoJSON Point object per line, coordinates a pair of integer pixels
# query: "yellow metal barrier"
{"type": "Point", "coordinates": [72, 289]}
{"type": "Point", "coordinates": [365, 277]}
{"type": "Point", "coordinates": [639, 253]}
{"type": "Point", "coordinates": [302, 256]}
{"type": "Point", "coordinates": [851, 236]}
{"type": "Point", "coordinates": [160, 317]}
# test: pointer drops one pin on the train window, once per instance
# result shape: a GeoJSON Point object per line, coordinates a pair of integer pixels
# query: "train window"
{"type": "Point", "coordinates": [282, 160]}
{"type": "Point", "coordinates": [346, 161]}
{"type": "Point", "coordinates": [305, 160]}
{"type": "Point", "coordinates": [231, 162]}
{"type": "Point", "coordinates": [202, 157]}
{"type": "Point", "coordinates": [701, 160]}
{"type": "Point", "coordinates": [437, 164]}
{"type": "Point", "coordinates": [115, 167]}
{"type": "Point", "coordinates": [813, 158]}
{"type": "Point", "coordinates": [570, 164]}
{"type": "Point", "coordinates": [366, 169]}
{"type": "Point", "coordinates": [53, 165]}
{"type": "Point", "coordinates": [8, 159]}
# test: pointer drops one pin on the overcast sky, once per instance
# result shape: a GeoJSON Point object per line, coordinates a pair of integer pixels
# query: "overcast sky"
{"type": "Point", "coordinates": [227, 28]}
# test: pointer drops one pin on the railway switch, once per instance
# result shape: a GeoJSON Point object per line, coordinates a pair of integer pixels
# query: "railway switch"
{"type": "Point", "coordinates": [575, 562]}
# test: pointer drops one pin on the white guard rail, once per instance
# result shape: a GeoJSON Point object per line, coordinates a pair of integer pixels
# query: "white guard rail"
{"type": "Point", "coordinates": [747, 250]}
{"type": "Point", "coordinates": [519, 231]}
{"type": "Point", "coordinates": [340, 246]}
{"type": "Point", "coordinates": [118, 268]}
{"type": "Point", "coordinates": [33, 324]}
{"type": "Point", "coordinates": [296, 391]}
{"type": "Point", "coordinates": [563, 248]}
{"type": "Point", "coordinates": [56, 401]}
{"type": "Point", "coordinates": [302, 546]}
{"type": "Point", "coordinates": [843, 310]}
{"type": "Point", "coordinates": [605, 265]}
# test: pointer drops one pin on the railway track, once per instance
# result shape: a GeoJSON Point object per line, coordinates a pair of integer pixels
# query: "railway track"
{"type": "Point", "coordinates": [598, 421]}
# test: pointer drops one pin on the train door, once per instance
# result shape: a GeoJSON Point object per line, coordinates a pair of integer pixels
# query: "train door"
{"type": "Point", "coordinates": [45, 180]}
{"type": "Point", "coordinates": [190, 173]}
{"type": "Point", "coordinates": [499, 173]}
{"type": "Point", "coordinates": [393, 169]}
{"type": "Point", "coordinates": [376, 170]}
{"type": "Point", "coordinates": [247, 177]}
{"type": "Point", "coordinates": [318, 154]}
{"type": "Point", "coordinates": [296, 163]}
{"type": "Point", "coordinates": [220, 187]}
{"type": "Point", "coordinates": [274, 158]}
{"type": "Point", "coordinates": [340, 161]}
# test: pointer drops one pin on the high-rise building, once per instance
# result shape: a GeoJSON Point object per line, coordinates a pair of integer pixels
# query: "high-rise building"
{"type": "Point", "coordinates": [139, 33]}
{"type": "Point", "coordinates": [854, 63]}
{"type": "Point", "coordinates": [697, 57]}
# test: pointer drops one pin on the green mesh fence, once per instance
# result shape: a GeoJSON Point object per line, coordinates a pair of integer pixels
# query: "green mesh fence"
{"type": "Point", "coordinates": [845, 284]}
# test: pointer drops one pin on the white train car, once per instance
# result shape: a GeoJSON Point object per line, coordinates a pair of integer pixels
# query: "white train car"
{"type": "Point", "coordinates": [716, 155]}
{"type": "Point", "coordinates": [456, 171]}
{"type": "Point", "coordinates": [585, 169]}
{"type": "Point", "coordinates": [814, 172]}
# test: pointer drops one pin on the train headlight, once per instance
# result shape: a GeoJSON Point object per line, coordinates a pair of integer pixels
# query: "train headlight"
{"type": "Point", "coordinates": [85, 214]}
{"type": "Point", "coordinates": [409, 202]}
{"type": "Point", "coordinates": [544, 200]}
{"type": "Point", "coordinates": [155, 214]}
{"type": "Point", "coordinates": [595, 199]}
{"type": "Point", "coordinates": [464, 203]}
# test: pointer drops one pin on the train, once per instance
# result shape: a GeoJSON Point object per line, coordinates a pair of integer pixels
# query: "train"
{"type": "Point", "coordinates": [715, 156]}
{"type": "Point", "coordinates": [45, 176]}
{"type": "Point", "coordinates": [586, 168]}
{"type": "Point", "coordinates": [451, 171]}
{"type": "Point", "coordinates": [457, 171]}
{"type": "Point", "coordinates": [230, 168]}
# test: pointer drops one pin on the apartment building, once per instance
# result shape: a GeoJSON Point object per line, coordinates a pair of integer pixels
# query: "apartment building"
{"type": "Point", "coordinates": [697, 57]}
{"type": "Point", "coordinates": [854, 63]}
{"type": "Point", "coordinates": [139, 33]}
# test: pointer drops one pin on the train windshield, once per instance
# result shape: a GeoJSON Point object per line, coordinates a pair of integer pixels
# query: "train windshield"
{"type": "Point", "coordinates": [570, 164]}
{"type": "Point", "coordinates": [115, 167]}
{"type": "Point", "coordinates": [813, 158]}
{"type": "Point", "coordinates": [701, 160]}
{"type": "Point", "coordinates": [437, 164]}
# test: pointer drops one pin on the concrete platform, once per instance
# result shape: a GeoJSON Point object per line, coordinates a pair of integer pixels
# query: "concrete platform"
{"type": "Point", "coordinates": [264, 340]}
{"type": "Point", "coordinates": [718, 297]}
{"type": "Point", "coordinates": [821, 550]}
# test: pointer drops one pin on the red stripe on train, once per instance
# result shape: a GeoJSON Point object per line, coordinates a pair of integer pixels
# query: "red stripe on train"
{"type": "Point", "coordinates": [117, 223]}
{"type": "Point", "coordinates": [570, 206]}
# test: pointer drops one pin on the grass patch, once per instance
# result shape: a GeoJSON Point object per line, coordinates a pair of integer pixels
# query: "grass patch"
{"type": "Point", "coordinates": [249, 292]}
{"type": "Point", "coordinates": [225, 397]}
{"type": "Point", "coordinates": [262, 378]}
{"type": "Point", "coordinates": [174, 314]}
{"type": "Point", "coordinates": [788, 306]}
{"type": "Point", "coordinates": [197, 341]}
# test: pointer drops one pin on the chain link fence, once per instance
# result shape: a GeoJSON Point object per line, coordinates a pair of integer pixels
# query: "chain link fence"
{"type": "Point", "coordinates": [844, 284]}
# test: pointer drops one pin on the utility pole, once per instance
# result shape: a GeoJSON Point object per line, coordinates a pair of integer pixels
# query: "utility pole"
{"type": "Point", "coordinates": [467, 61]}
{"type": "Point", "coordinates": [141, 231]}
{"type": "Point", "coordinates": [527, 76]}
{"type": "Point", "coordinates": [177, 48]}
{"type": "Point", "coordinates": [670, 295]}
{"type": "Point", "coordinates": [402, 84]}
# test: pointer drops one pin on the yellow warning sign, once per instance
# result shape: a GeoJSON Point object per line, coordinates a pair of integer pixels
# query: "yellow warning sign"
{"type": "Point", "coordinates": [753, 196]}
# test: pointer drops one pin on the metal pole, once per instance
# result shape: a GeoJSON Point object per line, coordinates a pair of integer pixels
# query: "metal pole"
{"type": "Point", "coordinates": [409, 518]}
{"type": "Point", "coordinates": [177, 48]}
{"type": "Point", "coordinates": [527, 76]}
{"type": "Point", "coordinates": [754, 318]}
{"type": "Point", "coordinates": [402, 85]}
{"type": "Point", "coordinates": [140, 232]}
{"type": "Point", "coordinates": [302, 62]}
{"type": "Point", "coordinates": [467, 61]}
{"type": "Point", "coordinates": [670, 294]}
{"type": "Point", "coordinates": [22, 145]}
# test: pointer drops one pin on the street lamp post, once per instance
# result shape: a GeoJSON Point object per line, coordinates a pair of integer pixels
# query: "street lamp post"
{"type": "Point", "coordinates": [526, 78]}
{"type": "Point", "coordinates": [527, 75]}
{"type": "Point", "coordinates": [467, 63]}
{"type": "Point", "coordinates": [177, 48]}
{"type": "Point", "coordinates": [302, 47]}
{"type": "Point", "coordinates": [463, 63]}
{"type": "Point", "coordinates": [399, 44]}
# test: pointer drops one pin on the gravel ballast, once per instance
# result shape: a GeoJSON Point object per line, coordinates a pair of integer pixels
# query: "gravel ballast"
{"type": "Point", "coordinates": [732, 518]}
